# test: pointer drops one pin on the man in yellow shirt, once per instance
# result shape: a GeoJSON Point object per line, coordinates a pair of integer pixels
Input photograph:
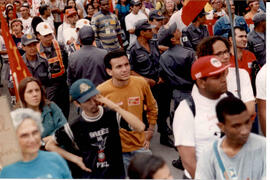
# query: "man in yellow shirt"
{"type": "Point", "coordinates": [133, 94]}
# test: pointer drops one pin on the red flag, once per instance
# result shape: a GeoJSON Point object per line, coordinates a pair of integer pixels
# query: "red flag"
{"type": "Point", "coordinates": [191, 9]}
{"type": "Point", "coordinates": [14, 11]}
{"type": "Point", "coordinates": [17, 65]}
{"type": "Point", "coordinates": [111, 5]}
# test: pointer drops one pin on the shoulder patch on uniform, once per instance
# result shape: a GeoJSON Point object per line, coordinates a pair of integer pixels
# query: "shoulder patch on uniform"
{"type": "Point", "coordinates": [184, 39]}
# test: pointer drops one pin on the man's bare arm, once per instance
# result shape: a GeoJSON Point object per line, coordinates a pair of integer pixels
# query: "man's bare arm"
{"type": "Point", "coordinates": [262, 114]}
{"type": "Point", "coordinates": [130, 118]}
{"type": "Point", "coordinates": [188, 157]}
{"type": "Point", "coordinates": [52, 146]}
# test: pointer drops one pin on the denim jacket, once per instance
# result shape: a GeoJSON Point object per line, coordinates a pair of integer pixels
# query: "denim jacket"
{"type": "Point", "coordinates": [52, 119]}
{"type": "Point", "coordinates": [223, 25]}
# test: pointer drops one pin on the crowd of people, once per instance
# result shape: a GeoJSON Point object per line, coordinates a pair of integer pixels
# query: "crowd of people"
{"type": "Point", "coordinates": [131, 68]}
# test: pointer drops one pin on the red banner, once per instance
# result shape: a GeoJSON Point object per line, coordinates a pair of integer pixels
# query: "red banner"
{"type": "Point", "coordinates": [111, 5]}
{"type": "Point", "coordinates": [17, 65]}
{"type": "Point", "coordinates": [191, 9]}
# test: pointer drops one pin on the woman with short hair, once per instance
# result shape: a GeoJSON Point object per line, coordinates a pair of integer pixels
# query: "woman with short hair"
{"type": "Point", "coordinates": [34, 163]}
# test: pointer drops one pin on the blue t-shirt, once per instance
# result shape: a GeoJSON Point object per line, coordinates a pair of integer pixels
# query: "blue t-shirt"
{"type": "Point", "coordinates": [45, 165]}
{"type": "Point", "coordinates": [123, 10]}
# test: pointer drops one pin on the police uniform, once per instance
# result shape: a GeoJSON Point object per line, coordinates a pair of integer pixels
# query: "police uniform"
{"type": "Point", "coordinates": [143, 62]}
{"type": "Point", "coordinates": [175, 65]}
{"type": "Point", "coordinates": [256, 40]}
{"type": "Point", "coordinates": [175, 69]}
{"type": "Point", "coordinates": [57, 60]}
{"type": "Point", "coordinates": [191, 36]}
{"type": "Point", "coordinates": [38, 67]}
{"type": "Point", "coordinates": [257, 45]}
{"type": "Point", "coordinates": [87, 62]}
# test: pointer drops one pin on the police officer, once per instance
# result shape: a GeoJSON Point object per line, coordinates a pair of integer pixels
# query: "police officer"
{"type": "Point", "coordinates": [256, 38]}
{"type": "Point", "coordinates": [37, 65]}
{"type": "Point", "coordinates": [176, 63]}
{"type": "Point", "coordinates": [144, 61]}
{"type": "Point", "coordinates": [195, 32]}
{"type": "Point", "coordinates": [57, 60]}
{"type": "Point", "coordinates": [87, 62]}
{"type": "Point", "coordinates": [175, 68]}
{"type": "Point", "coordinates": [156, 18]}
{"type": "Point", "coordinates": [144, 54]}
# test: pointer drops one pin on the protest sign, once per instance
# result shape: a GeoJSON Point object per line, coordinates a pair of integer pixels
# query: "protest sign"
{"type": "Point", "coordinates": [10, 151]}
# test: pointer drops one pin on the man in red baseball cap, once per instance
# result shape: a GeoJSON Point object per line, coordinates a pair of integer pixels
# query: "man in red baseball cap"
{"type": "Point", "coordinates": [195, 121]}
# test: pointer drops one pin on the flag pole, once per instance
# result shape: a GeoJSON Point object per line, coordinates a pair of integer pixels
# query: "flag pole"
{"type": "Point", "coordinates": [14, 74]}
{"type": "Point", "coordinates": [234, 49]}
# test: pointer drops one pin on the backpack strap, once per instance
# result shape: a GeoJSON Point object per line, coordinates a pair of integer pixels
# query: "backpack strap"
{"type": "Point", "coordinates": [220, 163]}
{"type": "Point", "coordinates": [229, 94]}
{"type": "Point", "coordinates": [191, 104]}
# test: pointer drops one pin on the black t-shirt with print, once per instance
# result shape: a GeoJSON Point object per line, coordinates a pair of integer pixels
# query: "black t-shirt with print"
{"type": "Point", "coordinates": [99, 144]}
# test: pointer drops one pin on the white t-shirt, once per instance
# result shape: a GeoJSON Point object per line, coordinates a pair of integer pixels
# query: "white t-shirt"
{"type": "Point", "coordinates": [60, 32]}
{"type": "Point", "coordinates": [176, 17]}
{"type": "Point", "coordinates": [211, 14]}
{"type": "Point", "coordinates": [26, 24]}
{"type": "Point", "coordinates": [261, 83]}
{"type": "Point", "coordinates": [196, 132]}
{"type": "Point", "coordinates": [49, 20]}
{"type": "Point", "coordinates": [68, 33]}
{"type": "Point", "coordinates": [246, 88]}
{"type": "Point", "coordinates": [130, 21]}
{"type": "Point", "coordinates": [3, 47]}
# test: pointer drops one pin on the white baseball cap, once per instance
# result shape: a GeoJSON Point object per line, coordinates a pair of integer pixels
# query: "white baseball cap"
{"type": "Point", "coordinates": [44, 29]}
{"type": "Point", "coordinates": [82, 22]}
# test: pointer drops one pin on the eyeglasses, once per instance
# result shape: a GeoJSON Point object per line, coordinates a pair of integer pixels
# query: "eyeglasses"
{"type": "Point", "coordinates": [222, 53]}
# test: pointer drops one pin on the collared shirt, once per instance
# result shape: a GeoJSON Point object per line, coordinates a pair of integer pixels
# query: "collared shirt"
{"type": "Point", "coordinates": [107, 28]}
{"type": "Point", "coordinates": [175, 68]}
{"type": "Point", "coordinates": [39, 69]}
{"type": "Point", "coordinates": [143, 62]}
{"type": "Point", "coordinates": [257, 45]}
{"type": "Point", "coordinates": [191, 36]}
{"type": "Point", "coordinates": [87, 63]}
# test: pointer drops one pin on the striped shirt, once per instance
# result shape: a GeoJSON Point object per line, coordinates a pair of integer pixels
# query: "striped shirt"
{"type": "Point", "coordinates": [106, 28]}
